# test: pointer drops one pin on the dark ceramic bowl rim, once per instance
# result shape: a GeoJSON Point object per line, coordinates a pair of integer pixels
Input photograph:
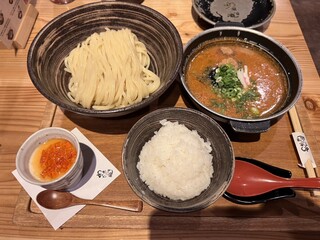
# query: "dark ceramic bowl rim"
{"type": "Point", "coordinates": [254, 26]}
{"type": "Point", "coordinates": [163, 207]}
{"type": "Point", "coordinates": [112, 112]}
{"type": "Point", "coordinates": [242, 29]}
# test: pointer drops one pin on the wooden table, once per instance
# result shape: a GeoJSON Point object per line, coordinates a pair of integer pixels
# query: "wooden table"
{"type": "Point", "coordinates": [23, 110]}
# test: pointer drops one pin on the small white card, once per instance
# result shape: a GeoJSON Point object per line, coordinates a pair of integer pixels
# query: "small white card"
{"type": "Point", "coordinates": [98, 173]}
{"type": "Point", "coordinates": [303, 149]}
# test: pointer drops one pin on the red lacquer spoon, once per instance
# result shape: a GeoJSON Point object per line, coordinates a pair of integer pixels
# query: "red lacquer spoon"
{"type": "Point", "coordinates": [250, 180]}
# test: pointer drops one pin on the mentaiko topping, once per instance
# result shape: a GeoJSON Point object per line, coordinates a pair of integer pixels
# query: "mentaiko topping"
{"type": "Point", "coordinates": [53, 159]}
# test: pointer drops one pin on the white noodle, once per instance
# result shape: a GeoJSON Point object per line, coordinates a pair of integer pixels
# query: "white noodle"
{"type": "Point", "coordinates": [110, 70]}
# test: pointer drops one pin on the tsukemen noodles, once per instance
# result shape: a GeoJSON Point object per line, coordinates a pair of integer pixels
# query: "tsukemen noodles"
{"type": "Point", "coordinates": [110, 70]}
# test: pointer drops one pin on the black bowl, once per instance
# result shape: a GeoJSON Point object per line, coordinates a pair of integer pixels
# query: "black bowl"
{"type": "Point", "coordinates": [54, 42]}
{"type": "Point", "coordinates": [267, 44]}
{"type": "Point", "coordinates": [208, 129]}
{"type": "Point", "coordinates": [255, 14]}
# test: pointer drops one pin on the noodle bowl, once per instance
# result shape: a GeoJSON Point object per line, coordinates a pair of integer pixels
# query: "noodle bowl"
{"type": "Point", "coordinates": [110, 70]}
{"type": "Point", "coordinates": [55, 41]}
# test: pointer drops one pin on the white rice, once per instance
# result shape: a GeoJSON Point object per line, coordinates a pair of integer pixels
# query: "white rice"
{"type": "Point", "coordinates": [176, 162]}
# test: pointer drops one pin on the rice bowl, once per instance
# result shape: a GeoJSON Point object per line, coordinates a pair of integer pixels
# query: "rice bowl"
{"type": "Point", "coordinates": [176, 162]}
{"type": "Point", "coordinates": [208, 129]}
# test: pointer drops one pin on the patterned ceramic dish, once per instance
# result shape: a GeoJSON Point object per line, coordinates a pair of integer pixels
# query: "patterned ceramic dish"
{"type": "Point", "coordinates": [255, 14]}
{"type": "Point", "coordinates": [208, 129]}
{"type": "Point", "coordinates": [53, 43]}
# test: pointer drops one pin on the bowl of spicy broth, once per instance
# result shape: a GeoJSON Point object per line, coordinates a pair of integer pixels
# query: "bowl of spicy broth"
{"type": "Point", "coordinates": [241, 77]}
{"type": "Point", "coordinates": [51, 158]}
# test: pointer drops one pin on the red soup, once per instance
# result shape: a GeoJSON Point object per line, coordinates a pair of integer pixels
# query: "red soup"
{"type": "Point", "coordinates": [237, 79]}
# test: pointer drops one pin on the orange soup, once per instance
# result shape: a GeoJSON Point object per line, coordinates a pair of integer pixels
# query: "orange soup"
{"type": "Point", "coordinates": [237, 79]}
{"type": "Point", "coordinates": [52, 159]}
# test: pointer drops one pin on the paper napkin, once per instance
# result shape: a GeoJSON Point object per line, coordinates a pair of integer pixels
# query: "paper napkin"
{"type": "Point", "coordinates": [98, 173]}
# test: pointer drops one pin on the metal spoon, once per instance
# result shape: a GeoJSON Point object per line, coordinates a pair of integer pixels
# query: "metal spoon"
{"type": "Point", "coordinates": [251, 180]}
{"type": "Point", "coordinates": [52, 199]}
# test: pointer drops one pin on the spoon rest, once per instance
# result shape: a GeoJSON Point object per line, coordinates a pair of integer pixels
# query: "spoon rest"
{"type": "Point", "coordinates": [263, 198]}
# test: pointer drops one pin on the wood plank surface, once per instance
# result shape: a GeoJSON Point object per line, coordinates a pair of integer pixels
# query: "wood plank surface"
{"type": "Point", "coordinates": [273, 147]}
{"type": "Point", "coordinates": [23, 110]}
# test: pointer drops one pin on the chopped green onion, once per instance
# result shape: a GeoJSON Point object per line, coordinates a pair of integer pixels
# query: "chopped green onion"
{"type": "Point", "coordinates": [225, 82]}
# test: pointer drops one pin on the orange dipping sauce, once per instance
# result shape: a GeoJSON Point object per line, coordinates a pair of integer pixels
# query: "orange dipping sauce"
{"type": "Point", "coordinates": [265, 73]}
{"type": "Point", "coordinates": [52, 159]}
